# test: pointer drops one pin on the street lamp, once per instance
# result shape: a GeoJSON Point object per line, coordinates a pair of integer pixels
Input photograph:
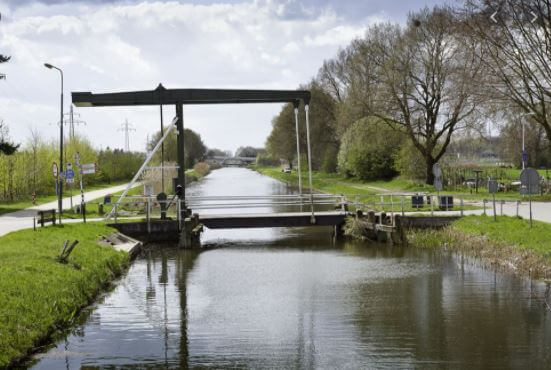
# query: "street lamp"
{"type": "Point", "coordinates": [59, 179]}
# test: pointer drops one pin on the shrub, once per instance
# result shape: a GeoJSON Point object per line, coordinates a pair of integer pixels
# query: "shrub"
{"type": "Point", "coordinates": [265, 159]}
{"type": "Point", "coordinates": [202, 169]}
{"type": "Point", "coordinates": [409, 162]}
{"type": "Point", "coordinates": [368, 150]}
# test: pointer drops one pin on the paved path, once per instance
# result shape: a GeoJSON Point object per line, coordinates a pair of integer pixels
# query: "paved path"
{"type": "Point", "coordinates": [541, 211]}
{"type": "Point", "coordinates": [23, 219]}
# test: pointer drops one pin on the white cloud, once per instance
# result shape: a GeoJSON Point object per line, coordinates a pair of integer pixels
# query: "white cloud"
{"type": "Point", "coordinates": [114, 47]}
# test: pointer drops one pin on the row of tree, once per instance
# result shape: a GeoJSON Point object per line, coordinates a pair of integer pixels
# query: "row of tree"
{"type": "Point", "coordinates": [194, 148]}
{"type": "Point", "coordinates": [401, 95]}
{"type": "Point", "coordinates": [29, 169]}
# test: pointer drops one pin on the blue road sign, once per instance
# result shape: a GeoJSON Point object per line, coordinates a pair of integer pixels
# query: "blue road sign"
{"type": "Point", "coordinates": [524, 156]}
{"type": "Point", "coordinates": [70, 174]}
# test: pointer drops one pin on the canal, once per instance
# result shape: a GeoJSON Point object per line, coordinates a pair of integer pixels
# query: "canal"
{"type": "Point", "coordinates": [294, 298]}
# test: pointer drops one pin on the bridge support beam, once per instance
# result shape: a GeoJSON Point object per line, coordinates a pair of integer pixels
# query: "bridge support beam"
{"type": "Point", "coordinates": [190, 235]}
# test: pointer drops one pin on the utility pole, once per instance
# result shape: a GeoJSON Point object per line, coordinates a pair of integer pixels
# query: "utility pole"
{"type": "Point", "coordinates": [126, 127]}
{"type": "Point", "coordinates": [71, 121]}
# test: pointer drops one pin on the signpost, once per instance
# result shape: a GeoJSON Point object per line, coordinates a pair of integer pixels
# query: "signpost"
{"type": "Point", "coordinates": [530, 184]}
{"type": "Point", "coordinates": [492, 189]}
{"type": "Point", "coordinates": [437, 172]}
{"type": "Point", "coordinates": [55, 172]}
{"type": "Point", "coordinates": [88, 168]}
{"type": "Point", "coordinates": [69, 174]}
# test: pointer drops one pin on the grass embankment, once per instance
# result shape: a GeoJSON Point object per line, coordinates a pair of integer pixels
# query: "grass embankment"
{"type": "Point", "coordinates": [7, 207]}
{"type": "Point", "coordinates": [40, 296]}
{"type": "Point", "coordinates": [508, 242]}
{"type": "Point", "coordinates": [367, 192]}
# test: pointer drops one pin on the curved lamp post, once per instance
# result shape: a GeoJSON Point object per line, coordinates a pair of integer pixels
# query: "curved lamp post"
{"type": "Point", "coordinates": [59, 179]}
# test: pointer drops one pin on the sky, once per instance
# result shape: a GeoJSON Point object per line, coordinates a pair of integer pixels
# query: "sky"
{"type": "Point", "coordinates": [110, 45]}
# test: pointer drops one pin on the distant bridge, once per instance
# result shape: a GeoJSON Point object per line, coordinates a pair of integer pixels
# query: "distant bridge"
{"type": "Point", "coordinates": [231, 161]}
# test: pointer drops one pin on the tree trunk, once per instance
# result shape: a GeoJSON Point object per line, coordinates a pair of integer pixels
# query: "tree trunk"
{"type": "Point", "coordinates": [429, 179]}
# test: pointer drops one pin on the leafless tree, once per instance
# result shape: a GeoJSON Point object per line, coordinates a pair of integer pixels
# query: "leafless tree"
{"type": "Point", "coordinates": [427, 82]}
{"type": "Point", "coordinates": [515, 39]}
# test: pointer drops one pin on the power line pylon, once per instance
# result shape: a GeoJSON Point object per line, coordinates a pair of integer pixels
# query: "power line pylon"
{"type": "Point", "coordinates": [126, 127]}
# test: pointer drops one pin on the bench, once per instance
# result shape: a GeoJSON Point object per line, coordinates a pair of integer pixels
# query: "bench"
{"type": "Point", "coordinates": [46, 216]}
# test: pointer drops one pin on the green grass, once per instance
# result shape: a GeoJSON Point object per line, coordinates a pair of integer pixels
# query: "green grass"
{"type": "Point", "coordinates": [510, 230]}
{"type": "Point", "coordinates": [508, 242]}
{"type": "Point", "coordinates": [40, 296]}
{"type": "Point", "coordinates": [364, 191]}
{"type": "Point", "coordinates": [7, 207]}
{"type": "Point", "coordinates": [338, 184]}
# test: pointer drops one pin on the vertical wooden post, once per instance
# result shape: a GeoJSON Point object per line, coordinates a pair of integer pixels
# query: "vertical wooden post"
{"type": "Point", "coordinates": [148, 216]}
{"type": "Point", "coordinates": [296, 105]}
{"type": "Point", "coordinates": [307, 109]}
{"type": "Point", "coordinates": [180, 149]}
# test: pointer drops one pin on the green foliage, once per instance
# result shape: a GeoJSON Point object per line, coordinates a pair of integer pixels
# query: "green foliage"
{"type": "Point", "coordinates": [116, 165]}
{"type": "Point", "coordinates": [6, 147]}
{"type": "Point", "coordinates": [281, 143]}
{"type": "Point", "coordinates": [265, 159]}
{"type": "Point", "coordinates": [409, 162]}
{"type": "Point", "coordinates": [194, 148]}
{"type": "Point", "coordinates": [248, 151]}
{"type": "Point", "coordinates": [40, 295]}
{"type": "Point", "coordinates": [330, 162]}
{"type": "Point", "coordinates": [368, 150]}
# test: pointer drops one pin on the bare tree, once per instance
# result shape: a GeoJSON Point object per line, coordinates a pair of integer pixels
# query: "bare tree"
{"type": "Point", "coordinates": [34, 143]}
{"type": "Point", "coordinates": [515, 38]}
{"type": "Point", "coordinates": [427, 81]}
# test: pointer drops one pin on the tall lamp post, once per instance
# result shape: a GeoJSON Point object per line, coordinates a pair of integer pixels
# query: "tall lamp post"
{"type": "Point", "coordinates": [59, 179]}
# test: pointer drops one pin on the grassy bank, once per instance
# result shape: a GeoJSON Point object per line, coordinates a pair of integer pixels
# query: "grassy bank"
{"type": "Point", "coordinates": [7, 207]}
{"type": "Point", "coordinates": [366, 191]}
{"type": "Point", "coordinates": [338, 184]}
{"type": "Point", "coordinates": [509, 242]}
{"type": "Point", "coordinates": [41, 296]}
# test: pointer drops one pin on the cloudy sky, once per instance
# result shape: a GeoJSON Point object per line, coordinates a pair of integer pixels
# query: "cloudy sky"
{"type": "Point", "coordinates": [105, 46]}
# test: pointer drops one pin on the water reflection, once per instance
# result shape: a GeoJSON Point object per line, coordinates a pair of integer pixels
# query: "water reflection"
{"type": "Point", "coordinates": [292, 298]}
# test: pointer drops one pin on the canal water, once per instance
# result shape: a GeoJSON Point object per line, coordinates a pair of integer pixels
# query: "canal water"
{"type": "Point", "coordinates": [294, 298]}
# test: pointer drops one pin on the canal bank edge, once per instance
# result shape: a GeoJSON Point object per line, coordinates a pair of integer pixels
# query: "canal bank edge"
{"type": "Point", "coordinates": [40, 296]}
{"type": "Point", "coordinates": [507, 243]}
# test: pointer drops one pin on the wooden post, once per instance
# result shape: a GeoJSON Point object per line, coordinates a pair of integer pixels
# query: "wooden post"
{"type": "Point", "coordinates": [148, 216]}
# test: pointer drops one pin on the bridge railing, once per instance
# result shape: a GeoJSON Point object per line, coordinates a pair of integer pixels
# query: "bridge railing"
{"type": "Point", "coordinates": [223, 202]}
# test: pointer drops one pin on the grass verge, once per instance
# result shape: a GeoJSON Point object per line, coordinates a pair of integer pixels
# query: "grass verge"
{"type": "Point", "coordinates": [509, 242]}
{"type": "Point", "coordinates": [366, 191]}
{"type": "Point", "coordinates": [41, 296]}
{"type": "Point", "coordinates": [7, 207]}
{"type": "Point", "coordinates": [338, 184]}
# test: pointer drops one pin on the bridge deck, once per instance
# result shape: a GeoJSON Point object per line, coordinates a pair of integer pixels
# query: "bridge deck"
{"type": "Point", "coordinates": [256, 220]}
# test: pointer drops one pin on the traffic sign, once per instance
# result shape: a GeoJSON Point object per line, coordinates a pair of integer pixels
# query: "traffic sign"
{"type": "Point", "coordinates": [492, 186]}
{"type": "Point", "coordinates": [530, 181]}
{"type": "Point", "coordinates": [77, 158]}
{"type": "Point", "coordinates": [88, 168]}
{"type": "Point", "coordinates": [69, 174]}
{"type": "Point", "coordinates": [524, 156]}
{"type": "Point", "coordinates": [55, 169]}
